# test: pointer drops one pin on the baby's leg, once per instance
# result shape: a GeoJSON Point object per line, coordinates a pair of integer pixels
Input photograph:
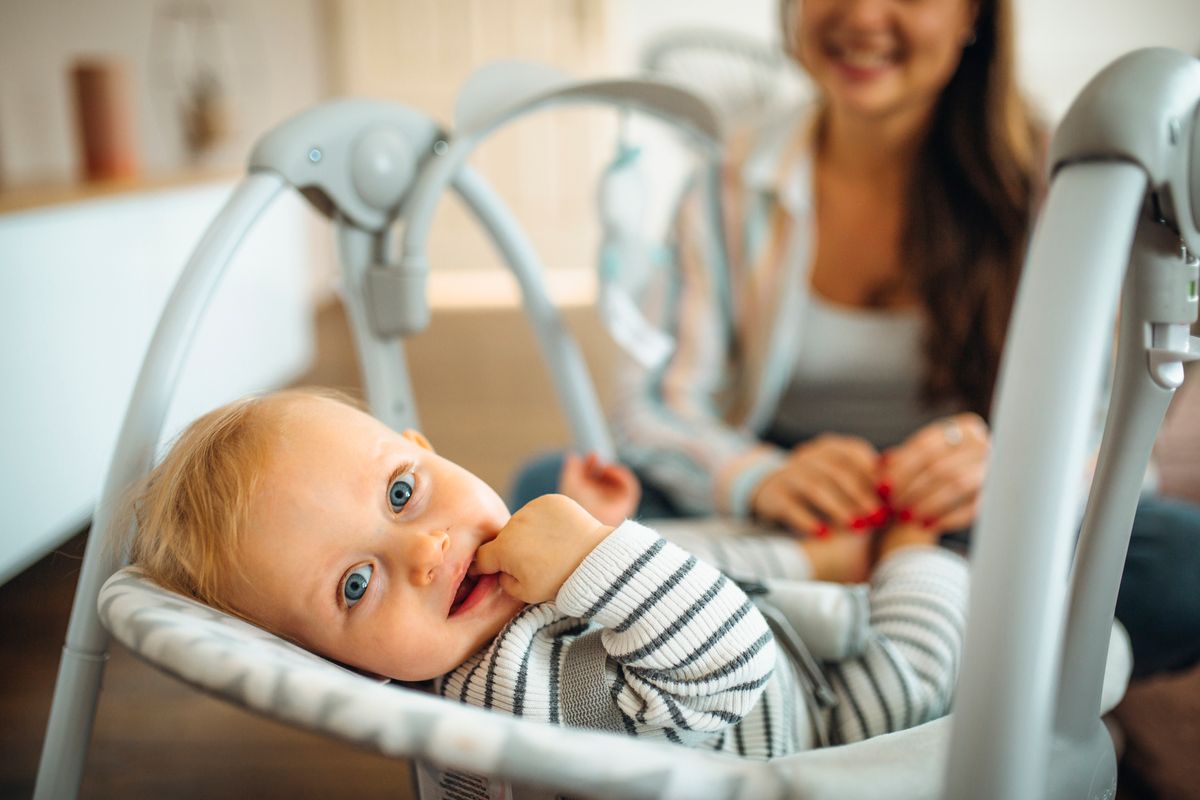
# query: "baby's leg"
{"type": "Point", "coordinates": [739, 549]}
{"type": "Point", "coordinates": [906, 673]}
{"type": "Point", "coordinates": [746, 550]}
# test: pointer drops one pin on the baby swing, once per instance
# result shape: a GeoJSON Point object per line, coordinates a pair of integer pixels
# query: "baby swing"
{"type": "Point", "coordinates": [1037, 669]}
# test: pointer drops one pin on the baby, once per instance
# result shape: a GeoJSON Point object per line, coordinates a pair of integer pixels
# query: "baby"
{"type": "Point", "coordinates": [312, 519]}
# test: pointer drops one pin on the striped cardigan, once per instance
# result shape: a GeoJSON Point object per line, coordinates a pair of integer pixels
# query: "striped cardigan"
{"type": "Point", "coordinates": [648, 640]}
{"type": "Point", "coordinates": [734, 303]}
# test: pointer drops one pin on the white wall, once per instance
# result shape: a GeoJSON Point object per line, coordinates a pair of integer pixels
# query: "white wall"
{"type": "Point", "coordinates": [268, 53]}
{"type": "Point", "coordinates": [82, 287]}
{"type": "Point", "coordinates": [633, 23]}
{"type": "Point", "coordinates": [1060, 44]}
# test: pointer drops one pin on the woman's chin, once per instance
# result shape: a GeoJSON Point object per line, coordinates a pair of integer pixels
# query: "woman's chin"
{"type": "Point", "coordinates": [876, 104]}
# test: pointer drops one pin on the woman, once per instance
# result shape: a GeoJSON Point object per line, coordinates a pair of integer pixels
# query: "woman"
{"type": "Point", "coordinates": [835, 369]}
{"type": "Point", "coordinates": [874, 245]}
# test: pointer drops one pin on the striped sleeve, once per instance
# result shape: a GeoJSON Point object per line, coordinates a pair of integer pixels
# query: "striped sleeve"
{"type": "Point", "coordinates": [687, 653]}
{"type": "Point", "coordinates": [906, 673]}
{"type": "Point", "coordinates": [667, 421]}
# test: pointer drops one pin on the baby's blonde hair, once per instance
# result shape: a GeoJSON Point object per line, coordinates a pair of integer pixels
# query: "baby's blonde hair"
{"type": "Point", "coordinates": [191, 511]}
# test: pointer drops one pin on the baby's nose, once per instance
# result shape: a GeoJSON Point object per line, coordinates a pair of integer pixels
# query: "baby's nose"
{"type": "Point", "coordinates": [426, 553]}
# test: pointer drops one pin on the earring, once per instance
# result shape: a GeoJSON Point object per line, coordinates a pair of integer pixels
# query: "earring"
{"type": "Point", "coordinates": [970, 39]}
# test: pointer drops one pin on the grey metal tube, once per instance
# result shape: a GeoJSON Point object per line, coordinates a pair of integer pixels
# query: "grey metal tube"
{"type": "Point", "coordinates": [419, 208]}
{"type": "Point", "coordinates": [73, 709]}
{"type": "Point", "coordinates": [1134, 418]}
{"type": "Point", "coordinates": [567, 366]}
{"type": "Point", "coordinates": [383, 360]}
{"type": "Point", "coordinates": [1052, 364]}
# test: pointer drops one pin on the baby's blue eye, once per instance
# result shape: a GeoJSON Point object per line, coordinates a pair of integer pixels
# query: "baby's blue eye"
{"type": "Point", "coordinates": [400, 492]}
{"type": "Point", "coordinates": [355, 585]}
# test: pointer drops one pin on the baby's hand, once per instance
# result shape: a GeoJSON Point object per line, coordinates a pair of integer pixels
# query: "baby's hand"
{"type": "Point", "coordinates": [609, 492]}
{"type": "Point", "coordinates": [540, 547]}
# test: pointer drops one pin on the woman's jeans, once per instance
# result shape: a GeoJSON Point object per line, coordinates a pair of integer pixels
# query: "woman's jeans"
{"type": "Point", "coordinates": [1159, 600]}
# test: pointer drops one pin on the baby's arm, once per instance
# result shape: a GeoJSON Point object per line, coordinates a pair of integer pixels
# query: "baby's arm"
{"type": "Point", "coordinates": [678, 650]}
{"type": "Point", "coordinates": [687, 653]}
{"type": "Point", "coordinates": [906, 674]}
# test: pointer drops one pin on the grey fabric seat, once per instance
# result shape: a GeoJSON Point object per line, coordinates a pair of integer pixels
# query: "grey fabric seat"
{"type": "Point", "coordinates": [261, 672]}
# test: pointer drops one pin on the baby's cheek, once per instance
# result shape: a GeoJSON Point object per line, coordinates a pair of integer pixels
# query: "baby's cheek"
{"type": "Point", "coordinates": [409, 660]}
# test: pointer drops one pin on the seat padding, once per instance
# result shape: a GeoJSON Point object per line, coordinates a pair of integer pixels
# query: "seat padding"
{"type": "Point", "coordinates": [250, 667]}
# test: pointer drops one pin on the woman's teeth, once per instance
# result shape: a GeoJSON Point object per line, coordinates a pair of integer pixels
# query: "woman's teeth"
{"type": "Point", "coordinates": [865, 59]}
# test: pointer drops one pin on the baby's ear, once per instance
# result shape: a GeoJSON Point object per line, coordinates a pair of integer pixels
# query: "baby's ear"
{"type": "Point", "coordinates": [417, 438]}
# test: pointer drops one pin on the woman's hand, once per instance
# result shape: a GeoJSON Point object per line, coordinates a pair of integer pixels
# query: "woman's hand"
{"type": "Point", "coordinates": [539, 548]}
{"type": "Point", "coordinates": [829, 482]}
{"type": "Point", "coordinates": [609, 492]}
{"type": "Point", "coordinates": [934, 478]}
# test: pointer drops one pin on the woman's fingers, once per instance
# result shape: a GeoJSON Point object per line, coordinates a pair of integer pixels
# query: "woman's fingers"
{"type": "Point", "coordinates": [827, 498]}
{"type": "Point", "coordinates": [946, 468]}
{"type": "Point", "coordinates": [837, 474]}
{"type": "Point", "coordinates": [938, 474]}
{"type": "Point", "coordinates": [856, 456]}
{"type": "Point", "coordinates": [835, 481]}
{"type": "Point", "coordinates": [812, 498]}
{"type": "Point", "coordinates": [932, 454]}
{"type": "Point", "coordinates": [799, 519]}
{"type": "Point", "coordinates": [956, 520]}
{"type": "Point", "coordinates": [775, 501]}
{"type": "Point", "coordinates": [954, 485]}
{"type": "Point", "coordinates": [852, 488]}
{"type": "Point", "coordinates": [912, 458]}
{"type": "Point", "coordinates": [828, 482]}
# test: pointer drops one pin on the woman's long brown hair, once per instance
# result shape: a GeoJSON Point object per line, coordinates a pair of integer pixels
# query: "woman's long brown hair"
{"type": "Point", "coordinates": [969, 212]}
{"type": "Point", "coordinates": [970, 209]}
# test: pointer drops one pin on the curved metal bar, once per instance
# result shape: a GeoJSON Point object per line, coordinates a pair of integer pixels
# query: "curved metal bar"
{"type": "Point", "coordinates": [73, 709]}
{"type": "Point", "coordinates": [1061, 327]}
{"type": "Point", "coordinates": [383, 359]}
{"type": "Point", "coordinates": [1134, 418]}
{"type": "Point", "coordinates": [671, 104]}
{"type": "Point", "coordinates": [441, 171]}
{"type": "Point", "coordinates": [568, 370]}
{"type": "Point", "coordinates": [437, 174]}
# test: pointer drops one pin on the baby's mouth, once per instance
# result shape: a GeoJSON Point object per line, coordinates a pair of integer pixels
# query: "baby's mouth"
{"type": "Point", "coordinates": [463, 592]}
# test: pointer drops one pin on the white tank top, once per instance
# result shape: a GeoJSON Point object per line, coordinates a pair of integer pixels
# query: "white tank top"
{"type": "Point", "coordinates": [859, 372]}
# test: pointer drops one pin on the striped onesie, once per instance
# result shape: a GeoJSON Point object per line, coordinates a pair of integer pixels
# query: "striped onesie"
{"type": "Point", "coordinates": [647, 639]}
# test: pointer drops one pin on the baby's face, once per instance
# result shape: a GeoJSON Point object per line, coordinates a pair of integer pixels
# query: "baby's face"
{"type": "Point", "coordinates": [358, 545]}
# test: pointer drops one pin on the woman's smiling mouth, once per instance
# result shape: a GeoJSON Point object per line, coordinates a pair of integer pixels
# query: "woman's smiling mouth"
{"type": "Point", "coordinates": [861, 62]}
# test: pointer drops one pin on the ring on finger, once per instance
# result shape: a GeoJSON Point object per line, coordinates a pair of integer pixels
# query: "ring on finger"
{"type": "Point", "coordinates": [952, 433]}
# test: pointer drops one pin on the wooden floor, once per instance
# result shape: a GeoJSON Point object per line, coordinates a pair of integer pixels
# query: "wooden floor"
{"type": "Point", "coordinates": [484, 401]}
